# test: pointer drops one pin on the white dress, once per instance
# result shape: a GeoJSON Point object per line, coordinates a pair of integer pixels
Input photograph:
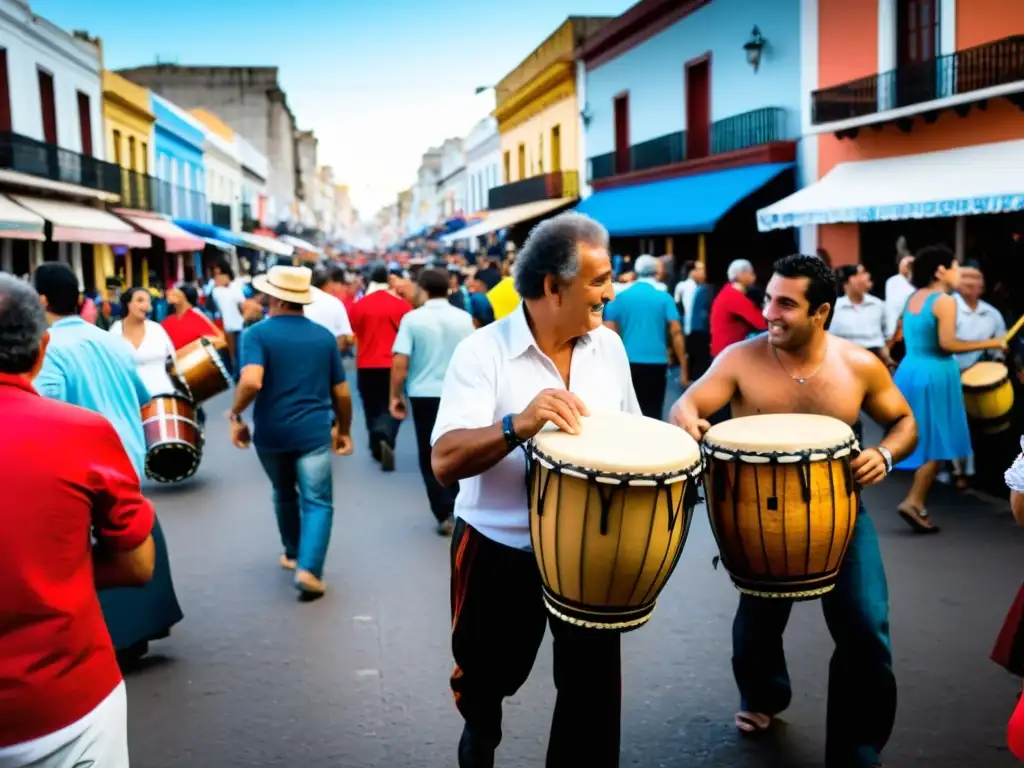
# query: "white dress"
{"type": "Point", "coordinates": [151, 357]}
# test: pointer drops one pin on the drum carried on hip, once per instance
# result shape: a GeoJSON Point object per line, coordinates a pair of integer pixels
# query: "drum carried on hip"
{"type": "Point", "coordinates": [610, 510]}
{"type": "Point", "coordinates": [782, 501]}
{"type": "Point", "coordinates": [174, 440]}
{"type": "Point", "coordinates": [201, 366]}
{"type": "Point", "coordinates": [988, 396]}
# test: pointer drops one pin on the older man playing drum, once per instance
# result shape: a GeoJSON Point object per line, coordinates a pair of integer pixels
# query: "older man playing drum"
{"type": "Point", "coordinates": [798, 367]}
{"type": "Point", "coordinates": [550, 360]}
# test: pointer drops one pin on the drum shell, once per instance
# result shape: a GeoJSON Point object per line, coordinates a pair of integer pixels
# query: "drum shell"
{"type": "Point", "coordinates": [782, 528]}
{"type": "Point", "coordinates": [606, 579]}
{"type": "Point", "coordinates": [990, 406]}
{"type": "Point", "coordinates": [173, 437]}
{"type": "Point", "coordinates": [204, 373]}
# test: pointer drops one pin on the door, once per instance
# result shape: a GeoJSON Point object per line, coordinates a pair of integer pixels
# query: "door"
{"type": "Point", "coordinates": [5, 94]}
{"type": "Point", "coordinates": [49, 107]}
{"type": "Point", "coordinates": [917, 48]}
{"type": "Point", "coordinates": [698, 108]}
{"type": "Point", "coordinates": [85, 123]}
{"type": "Point", "coordinates": [623, 161]}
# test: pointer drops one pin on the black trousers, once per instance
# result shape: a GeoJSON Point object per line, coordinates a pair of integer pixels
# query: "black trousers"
{"type": "Point", "coordinates": [424, 414]}
{"type": "Point", "coordinates": [698, 350]}
{"type": "Point", "coordinates": [649, 382]}
{"type": "Point", "coordinates": [498, 622]}
{"type": "Point", "coordinates": [374, 385]}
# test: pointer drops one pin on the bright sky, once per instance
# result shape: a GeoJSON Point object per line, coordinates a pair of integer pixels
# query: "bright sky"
{"type": "Point", "coordinates": [378, 81]}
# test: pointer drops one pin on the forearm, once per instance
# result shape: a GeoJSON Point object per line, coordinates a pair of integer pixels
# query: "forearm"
{"type": "Point", "coordinates": [900, 438]}
{"type": "Point", "coordinates": [464, 453]}
{"type": "Point", "coordinates": [342, 413]}
{"type": "Point", "coordinates": [679, 347]}
{"type": "Point", "coordinates": [244, 395]}
{"type": "Point", "coordinates": [113, 569]}
{"type": "Point", "coordinates": [399, 373]}
{"type": "Point", "coordinates": [956, 346]}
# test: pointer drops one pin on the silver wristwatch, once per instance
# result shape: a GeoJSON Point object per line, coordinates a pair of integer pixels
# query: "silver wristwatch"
{"type": "Point", "coordinates": [888, 458]}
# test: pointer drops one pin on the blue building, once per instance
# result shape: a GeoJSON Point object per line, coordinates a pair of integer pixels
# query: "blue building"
{"type": "Point", "coordinates": [692, 121]}
{"type": "Point", "coordinates": [178, 145]}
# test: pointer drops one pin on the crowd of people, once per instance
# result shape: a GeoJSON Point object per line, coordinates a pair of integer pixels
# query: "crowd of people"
{"type": "Point", "coordinates": [482, 357]}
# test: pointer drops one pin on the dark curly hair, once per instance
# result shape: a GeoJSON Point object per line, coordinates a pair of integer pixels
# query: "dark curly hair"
{"type": "Point", "coordinates": [127, 296]}
{"type": "Point", "coordinates": [821, 280]}
{"type": "Point", "coordinates": [927, 262]}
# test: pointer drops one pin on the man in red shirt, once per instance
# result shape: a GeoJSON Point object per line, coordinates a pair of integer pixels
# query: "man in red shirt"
{"type": "Point", "coordinates": [186, 324]}
{"type": "Point", "coordinates": [375, 319]}
{"type": "Point", "coordinates": [733, 315]}
{"type": "Point", "coordinates": [62, 697]}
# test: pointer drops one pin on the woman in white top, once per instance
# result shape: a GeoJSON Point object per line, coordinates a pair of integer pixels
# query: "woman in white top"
{"type": "Point", "coordinates": [150, 343]}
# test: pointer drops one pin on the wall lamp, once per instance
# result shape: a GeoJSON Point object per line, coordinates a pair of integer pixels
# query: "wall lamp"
{"type": "Point", "coordinates": [585, 115]}
{"type": "Point", "coordinates": [754, 48]}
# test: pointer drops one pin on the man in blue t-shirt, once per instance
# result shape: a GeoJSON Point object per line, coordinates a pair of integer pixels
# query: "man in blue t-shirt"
{"type": "Point", "coordinates": [292, 369]}
{"type": "Point", "coordinates": [642, 314]}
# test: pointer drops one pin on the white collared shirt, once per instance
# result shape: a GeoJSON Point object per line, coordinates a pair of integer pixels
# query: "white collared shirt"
{"type": "Point", "coordinates": [980, 324]}
{"type": "Point", "coordinates": [497, 371]}
{"type": "Point", "coordinates": [897, 291]}
{"type": "Point", "coordinates": [863, 324]}
{"type": "Point", "coordinates": [330, 312]}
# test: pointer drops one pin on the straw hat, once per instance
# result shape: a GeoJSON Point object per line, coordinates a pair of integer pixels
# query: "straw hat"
{"type": "Point", "coordinates": [286, 283]}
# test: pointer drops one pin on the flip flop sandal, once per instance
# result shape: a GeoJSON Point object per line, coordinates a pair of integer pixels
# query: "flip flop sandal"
{"type": "Point", "coordinates": [917, 519]}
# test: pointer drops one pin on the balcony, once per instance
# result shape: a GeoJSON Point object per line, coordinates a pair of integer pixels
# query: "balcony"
{"type": "Point", "coordinates": [139, 191]}
{"type": "Point", "coordinates": [992, 69]}
{"type": "Point", "coordinates": [546, 186]}
{"type": "Point", "coordinates": [48, 161]}
{"type": "Point", "coordinates": [743, 131]}
{"type": "Point", "coordinates": [180, 203]}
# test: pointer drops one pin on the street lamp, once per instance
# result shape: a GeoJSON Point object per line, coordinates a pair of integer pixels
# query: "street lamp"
{"type": "Point", "coordinates": [754, 47]}
{"type": "Point", "coordinates": [481, 88]}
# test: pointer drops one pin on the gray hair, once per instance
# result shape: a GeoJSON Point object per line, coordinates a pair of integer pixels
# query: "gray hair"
{"type": "Point", "coordinates": [737, 268]}
{"type": "Point", "coordinates": [22, 325]}
{"type": "Point", "coordinates": [551, 249]}
{"type": "Point", "coordinates": [646, 266]}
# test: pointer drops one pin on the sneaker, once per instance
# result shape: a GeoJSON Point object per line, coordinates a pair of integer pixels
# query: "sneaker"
{"type": "Point", "coordinates": [287, 563]}
{"type": "Point", "coordinates": [445, 527]}
{"type": "Point", "coordinates": [309, 585]}
{"type": "Point", "coordinates": [387, 457]}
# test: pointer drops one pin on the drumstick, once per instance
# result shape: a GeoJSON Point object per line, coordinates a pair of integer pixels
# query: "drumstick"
{"type": "Point", "coordinates": [1013, 331]}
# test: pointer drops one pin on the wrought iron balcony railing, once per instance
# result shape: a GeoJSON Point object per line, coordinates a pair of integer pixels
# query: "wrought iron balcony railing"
{"type": "Point", "coordinates": [37, 158]}
{"type": "Point", "coordinates": [546, 186]}
{"type": "Point", "coordinates": [999, 62]}
{"type": "Point", "coordinates": [139, 191]}
{"type": "Point", "coordinates": [181, 203]}
{"type": "Point", "coordinates": [749, 129]}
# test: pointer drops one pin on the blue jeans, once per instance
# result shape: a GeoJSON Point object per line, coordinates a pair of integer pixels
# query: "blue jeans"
{"type": "Point", "coordinates": [304, 503]}
{"type": "Point", "coordinates": [861, 687]}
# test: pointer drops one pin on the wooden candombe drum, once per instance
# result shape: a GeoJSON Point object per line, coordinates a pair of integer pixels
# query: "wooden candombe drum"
{"type": "Point", "coordinates": [610, 509]}
{"type": "Point", "coordinates": [174, 439]}
{"type": "Point", "coordinates": [201, 366]}
{"type": "Point", "coordinates": [988, 396]}
{"type": "Point", "coordinates": [782, 501]}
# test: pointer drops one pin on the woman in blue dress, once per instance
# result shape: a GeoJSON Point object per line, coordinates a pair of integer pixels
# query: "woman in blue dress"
{"type": "Point", "coordinates": [929, 377]}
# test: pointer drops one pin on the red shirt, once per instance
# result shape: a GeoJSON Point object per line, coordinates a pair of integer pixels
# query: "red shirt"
{"type": "Point", "coordinates": [733, 318]}
{"type": "Point", "coordinates": [190, 326]}
{"type": "Point", "coordinates": [375, 320]}
{"type": "Point", "coordinates": [64, 475]}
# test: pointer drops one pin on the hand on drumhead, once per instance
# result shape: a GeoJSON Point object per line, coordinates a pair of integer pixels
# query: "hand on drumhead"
{"type": "Point", "coordinates": [561, 407]}
{"type": "Point", "coordinates": [869, 467]}
{"type": "Point", "coordinates": [694, 426]}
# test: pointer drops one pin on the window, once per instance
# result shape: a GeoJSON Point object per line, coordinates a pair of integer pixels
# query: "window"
{"type": "Point", "coordinates": [5, 93]}
{"type": "Point", "coordinates": [508, 167]}
{"type": "Point", "coordinates": [522, 161]}
{"type": "Point", "coordinates": [622, 159]}
{"type": "Point", "coordinates": [117, 147]}
{"type": "Point", "coordinates": [49, 107]}
{"type": "Point", "coordinates": [556, 149]}
{"type": "Point", "coordinates": [145, 158]}
{"type": "Point", "coordinates": [85, 123]}
{"type": "Point", "coordinates": [698, 108]}
{"type": "Point", "coordinates": [131, 153]}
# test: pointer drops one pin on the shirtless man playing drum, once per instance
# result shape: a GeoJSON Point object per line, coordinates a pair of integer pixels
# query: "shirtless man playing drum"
{"type": "Point", "coordinates": [799, 367]}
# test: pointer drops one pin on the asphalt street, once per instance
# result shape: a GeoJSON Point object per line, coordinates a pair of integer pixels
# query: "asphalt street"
{"type": "Point", "coordinates": [359, 679]}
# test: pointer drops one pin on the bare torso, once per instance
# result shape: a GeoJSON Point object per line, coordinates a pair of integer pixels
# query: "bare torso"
{"type": "Point", "coordinates": [837, 389]}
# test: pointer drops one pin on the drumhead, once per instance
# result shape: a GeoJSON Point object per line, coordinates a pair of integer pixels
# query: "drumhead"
{"type": "Point", "coordinates": [984, 374]}
{"type": "Point", "coordinates": [621, 443]}
{"type": "Point", "coordinates": [779, 433]}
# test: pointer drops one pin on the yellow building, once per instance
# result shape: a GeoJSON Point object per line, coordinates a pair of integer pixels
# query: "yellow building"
{"type": "Point", "coordinates": [537, 109]}
{"type": "Point", "coordinates": [128, 130]}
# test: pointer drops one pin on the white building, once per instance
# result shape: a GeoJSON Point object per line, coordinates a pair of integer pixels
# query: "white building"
{"type": "Point", "coordinates": [224, 180]}
{"type": "Point", "coordinates": [324, 206]}
{"type": "Point", "coordinates": [426, 201]}
{"type": "Point", "coordinates": [256, 201]}
{"type": "Point", "coordinates": [451, 187]}
{"type": "Point", "coordinates": [483, 163]}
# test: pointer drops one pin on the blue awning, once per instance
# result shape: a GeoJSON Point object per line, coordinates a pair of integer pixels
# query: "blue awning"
{"type": "Point", "coordinates": [212, 232]}
{"type": "Point", "coordinates": [688, 204]}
